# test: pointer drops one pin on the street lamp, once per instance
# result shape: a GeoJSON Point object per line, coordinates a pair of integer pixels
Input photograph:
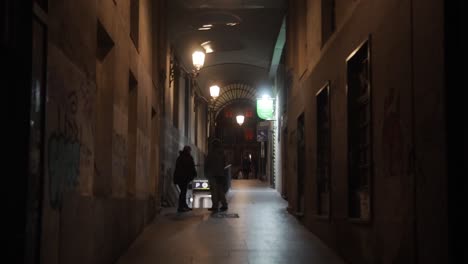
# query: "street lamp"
{"type": "Point", "coordinates": [214, 91]}
{"type": "Point", "coordinates": [240, 119]}
{"type": "Point", "coordinates": [198, 59]}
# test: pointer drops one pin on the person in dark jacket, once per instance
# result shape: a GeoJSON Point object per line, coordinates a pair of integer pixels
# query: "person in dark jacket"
{"type": "Point", "coordinates": [214, 171]}
{"type": "Point", "coordinates": [246, 167]}
{"type": "Point", "coordinates": [183, 174]}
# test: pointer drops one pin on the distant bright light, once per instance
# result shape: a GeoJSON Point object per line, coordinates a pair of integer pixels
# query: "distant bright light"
{"type": "Point", "coordinates": [207, 25]}
{"type": "Point", "coordinates": [265, 108]}
{"type": "Point", "coordinates": [240, 119]}
{"type": "Point", "coordinates": [214, 91]}
{"type": "Point", "coordinates": [231, 24]}
{"type": "Point", "coordinates": [191, 199]}
{"type": "Point", "coordinates": [202, 28]}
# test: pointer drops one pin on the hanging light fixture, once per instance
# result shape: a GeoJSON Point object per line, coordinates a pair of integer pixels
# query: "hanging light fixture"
{"type": "Point", "coordinates": [240, 119]}
{"type": "Point", "coordinates": [214, 91]}
{"type": "Point", "coordinates": [198, 59]}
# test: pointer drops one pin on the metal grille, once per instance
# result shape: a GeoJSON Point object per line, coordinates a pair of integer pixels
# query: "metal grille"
{"type": "Point", "coordinates": [233, 93]}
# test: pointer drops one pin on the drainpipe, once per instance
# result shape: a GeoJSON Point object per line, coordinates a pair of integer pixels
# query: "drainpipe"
{"type": "Point", "coordinates": [413, 142]}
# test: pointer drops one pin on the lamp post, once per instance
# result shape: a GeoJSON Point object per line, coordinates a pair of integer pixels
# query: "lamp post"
{"type": "Point", "coordinates": [198, 59]}
{"type": "Point", "coordinates": [214, 93]}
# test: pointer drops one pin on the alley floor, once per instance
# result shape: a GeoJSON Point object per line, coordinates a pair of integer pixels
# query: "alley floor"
{"type": "Point", "coordinates": [264, 232]}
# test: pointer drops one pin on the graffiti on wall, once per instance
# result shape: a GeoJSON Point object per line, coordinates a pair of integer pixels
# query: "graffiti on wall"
{"type": "Point", "coordinates": [120, 161]}
{"type": "Point", "coordinates": [64, 150]}
{"type": "Point", "coordinates": [68, 152]}
{"type": "Point", "coordinates": [86, 95]}
{"type": "Point", "coordinates": [143, 160]}
{"type": "Point", "coordinates": [392, 136]}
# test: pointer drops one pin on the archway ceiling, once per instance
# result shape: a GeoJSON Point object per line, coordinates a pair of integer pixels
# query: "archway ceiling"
{"type": "Point", "coordinates": [233, 93]}
{"type": "Point", "coordinates": [242, 53]}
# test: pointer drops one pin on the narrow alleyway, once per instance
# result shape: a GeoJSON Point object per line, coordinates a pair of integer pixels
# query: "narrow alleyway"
{"type": "Point", "coordinates": [263, 233]}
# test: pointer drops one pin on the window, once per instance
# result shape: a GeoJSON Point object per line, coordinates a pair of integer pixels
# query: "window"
{"type": "Point", "coordinates": [43, 4]}
{"type": "Point", "coordinates": [104, 42]}
{"type": "Point", "coordinates": [301, 150]}
{"type": "Point", "coordinates": [228, 114]}
{"type": "Point", "coordinates": [248, 113]}
{"type": "Point", "coordinates": [187, 106]}
{"type": "Point", "coordinates": [328, 19]}
{"type": "Point", "coordinates": [248, 134]}
{"type": "Point", "coordinates": [176, 89]}
{"type": "Point", "coordinates": [132, 132]}
{"type": "Point", "coordinates": [359, 133]}
{"type": "Point", "coordinates": [134, 21]}
{"type": "Point", "coordinates": [323, 151]}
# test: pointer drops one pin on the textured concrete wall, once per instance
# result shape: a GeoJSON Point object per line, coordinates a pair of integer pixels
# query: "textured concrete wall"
{"type": "Point", "coordinates": [174, 136]}
{"type": "Point", "coordinates": [172, 141]}
{"type": "Point", "coordinates": [92, 209]}
{"type": "Point", "coordinates": [409, 174]}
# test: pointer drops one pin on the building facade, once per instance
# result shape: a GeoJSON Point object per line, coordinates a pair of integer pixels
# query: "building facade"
{"type": "Point", "coordinates": [366, 168]}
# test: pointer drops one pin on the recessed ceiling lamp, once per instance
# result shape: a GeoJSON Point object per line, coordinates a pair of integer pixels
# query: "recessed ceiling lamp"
{"type": "Point", "coordinates": [208, 49]}
{"type": "Point", "coordinates": [207, 25]}
{"type": "Point", "coordinates": [203, 28]}
{"type": "Point", "coordinates": [231, 24]}
{"type": "Point", "coordinates": [207, 46]}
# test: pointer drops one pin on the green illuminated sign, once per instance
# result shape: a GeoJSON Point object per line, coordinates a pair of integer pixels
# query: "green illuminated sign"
{"type": "Point", "coordinates": [265, 108]}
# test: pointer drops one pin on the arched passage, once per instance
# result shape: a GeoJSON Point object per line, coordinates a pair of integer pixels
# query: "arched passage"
{"type": "Point", "coordinates": [234, 93]}
{"type": "Point", "coordinates": [240, 142]}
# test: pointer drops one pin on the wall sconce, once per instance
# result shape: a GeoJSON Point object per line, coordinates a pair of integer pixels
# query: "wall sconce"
{"type": "Point", "coordinates": [198, 59]}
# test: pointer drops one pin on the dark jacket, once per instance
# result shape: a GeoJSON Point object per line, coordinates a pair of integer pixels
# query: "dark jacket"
{"type": "Point", "coordinates": [215, 163]}
{"type": "Point", "coordinates": [185, 169]}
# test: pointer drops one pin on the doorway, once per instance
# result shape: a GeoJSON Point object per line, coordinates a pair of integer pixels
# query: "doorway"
{"type": "Point", "coordinates": [300, 164]}
{"type": "Point", "coordinates": [284, 166]}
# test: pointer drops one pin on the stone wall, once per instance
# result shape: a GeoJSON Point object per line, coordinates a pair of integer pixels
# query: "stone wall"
{"type": "Point", "coordinates": [408, 181]}
{"type": "Point", "coordinates": [100, 186]}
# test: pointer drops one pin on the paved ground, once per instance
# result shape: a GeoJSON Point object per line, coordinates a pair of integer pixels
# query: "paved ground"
{"type": "Point", "coordinates": [263, 233]}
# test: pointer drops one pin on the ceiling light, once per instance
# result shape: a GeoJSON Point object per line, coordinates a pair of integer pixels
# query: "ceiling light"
{"type": "Point", "coordinates": [206, 45]}
{"type": "Point", "coordinates": [207, 25]}
{"type": "Point", "coordinates": [231, 24]}
{"type": "Point", "coordinates": [208, 49]}
{"type": "Point", "coordinates": [204, 28]}
{"type": "Point", "coordinates": [240, 119]}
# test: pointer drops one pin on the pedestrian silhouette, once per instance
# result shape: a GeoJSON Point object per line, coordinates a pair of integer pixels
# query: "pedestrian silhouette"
{"type": "Point", "coordinates": [183, 174]}
{"type": "Point", "coordinates": [214, 170]}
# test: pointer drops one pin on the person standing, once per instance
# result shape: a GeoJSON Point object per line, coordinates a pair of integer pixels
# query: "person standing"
{"type": "Point", "coordinates": [254, 167]}
{"type": "Point", "coordinates": [246, 167]}
{"type": "Point", "coordinates": [214, 170]}
{"type": "Point", "coordinates": [183, 174]}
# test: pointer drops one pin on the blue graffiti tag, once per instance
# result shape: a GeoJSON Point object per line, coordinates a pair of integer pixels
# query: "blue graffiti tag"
{"type": "Point", "coordinates": [64, 167]}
